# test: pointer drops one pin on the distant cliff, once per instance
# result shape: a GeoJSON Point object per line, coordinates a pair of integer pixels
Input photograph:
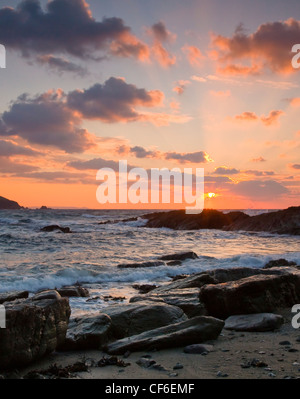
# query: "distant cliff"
{"type": "Point", "coordinates": [8, 204]}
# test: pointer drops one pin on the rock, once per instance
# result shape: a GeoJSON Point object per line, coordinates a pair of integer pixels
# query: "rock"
{"type": "Point", "coordinates": [144, 288]}
{"type": "Point", "coordinates": [87, 332]}
{"type": "Point", "coordinates": [178, 366]}
{"type": "Point", "coordinates": [286, 343]}
{"type": "Point", "coordinates": [286, 221]}
{"type": "Point", "coordinates": [11, 296]}
{"type": "Point", "coordinates": [279, 263]}
{"type": "Point", "coordinates": [138, 317]}
{"type": "Point", "coordinates": [34, 328]}
{"type": "Point", "coordinates": [197, 330]}
{"type": "Point", "coordinates": [174, 263]}
{"type": "Point", "coordinates": [49, 229]}
{"type": "Point", "coordinates": [198, 349]}
{"type": "Point", "coordinates": [254, 322]}
{"type": "Point", "coordinates": [8, 204]}
{"type": "Point", "coordinates": [194, 281]}
{"type": "Point", "coordinates": [49, 294]}
{"type": "Point", "coordinates": [74, 291]}
{"type": "Point", "coordinates": [180, 220]}
{"type": "Point", "coordinates": [186, 299]}
{"type": "Point", "coordinates": [255, 294]}
{"type": "Point", "coordinates": [145, 363]}
{"type": "Point", "coordinates": [180, 256]}
{"type": "Point", "coordinates": [139, 265]}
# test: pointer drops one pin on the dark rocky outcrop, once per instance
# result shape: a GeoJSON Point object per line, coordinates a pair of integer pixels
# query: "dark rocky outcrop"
{"type": "Point", "coordinates": [34, 328]}
{"type": "Point", "coordinates": [13, 295]}
{"type": "Point", "coordinates": [193, 331]}
{"type": "Point", "coordinates": [87, 332]}
{"type": "Point", "coordinates": [286, 221]}
{"type": "Point", "coordinates": [139, 265]}
{"type": "Point", "coordinates": [49, 229]}
{"type": "Point", "coordinates": [74, 291]}
{"type": "Point", "coordinates": [138, 317]}
{"type": "Point", "coordinates": [255, 294]}
{"type": "Point", "coordinates": [279, 263]}
{"type": "Point", "coordinates": [180, 256]}
{"type": "Point", "coordinates": [180, 220]}
{"type": "Point", "coordinates": [8, 204]}
{"type": "Point", "coordinates": [144, 288]}
{"type": "Point", "coordinates": [258, 322]}
{"type": "Point", "coordinates": [193, 281]}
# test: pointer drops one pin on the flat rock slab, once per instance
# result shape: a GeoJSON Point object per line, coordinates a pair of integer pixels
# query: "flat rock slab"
{"type": "Point", "coordinates": [194, 281]}
{"type": "Point", "coordinates": [196, 330]}
{"type": "Point", "coordinates": [87, 332]}
{"type": "Point", "coordinates": [140, 265]}
{"type": "Point", "coordinates": [74, 291]}
{"type": "Point", "coordinates": [136, 318]}
{"type": "Point", "coordinates": [258, 322]}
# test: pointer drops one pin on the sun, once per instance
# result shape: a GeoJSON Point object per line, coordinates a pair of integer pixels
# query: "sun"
{"type": "Point", "coordinates": [211, 195]}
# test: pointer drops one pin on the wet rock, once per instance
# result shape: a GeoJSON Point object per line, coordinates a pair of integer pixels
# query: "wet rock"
{"type": "Point", "coordinates": [144, 288]}
{"type": "Point", "coordinates": [35, 327]}
{"type": "Point", "coordinates": [87, 332]}
{"type": "Point", "coordinates": [136, 318]}
{"type": "Point", "coordinates": [279, 263]}
{"type": "Point", "coordinates": [180, 256]}
{"type": "Point", "coordinates": [140, 265]}
{"type": "Point", "coordinates": [11, 296]}
{"type": "Point", "coordinates": [254, 322]}
{"type": "Point", "coordinates": [194, 281]}
{"type": "Point", "coordinates": [178, 366]}
{"type": "Point", "coordinates": [285, 343]}
{"type": "Point", "coordinates": [55, 227]}
{"type": "Point", "coordinates": [74, 291]}
{"type": "Point", "coordinates": [255, 294]}
{"type": "Point", "coordinates": [112, 361]}
{"type": "Point", "coordinates": [197, 330]}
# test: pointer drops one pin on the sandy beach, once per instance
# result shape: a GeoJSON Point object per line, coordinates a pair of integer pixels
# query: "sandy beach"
{"type": "Point", "coordinates": [230, 358]}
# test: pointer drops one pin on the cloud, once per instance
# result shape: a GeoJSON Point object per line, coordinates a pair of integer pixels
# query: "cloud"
{"type": "Point", "coordinates": [141, 152]}
{"type": "Point", "coordinates": [66, 27]}
{"type": "Point", "coordinates": [194, 55]}
{"type": "Point", "coordinates": [181, 86]}
{"type": "Point", "coordinates": [113, 101]}
{"type": "Point", "coordinates": [60, 64]}
{"type": "Point", "coordinates": [295, 166]}
{"type": "Point", "coordinates": [263, 190]}
{"type": "Point", "coordinates": [160, 36]}
{"type": "Point", "coordinates": [8, 166]}
{"type": "Point", "coordinates": [223, 170]}
{"type": "Point", "coordinates": [271, 119]}
{"type": "Point", "coordinates": [192, 157]}
{"type": "Point", "coordinates": [9, 148]}
{"type": "Point", "coordinates": [220, 94]}
{"type": "Point", "coordinates": [294, 102]}
{"type": "Point", "coordinates": [259, 172]}
{"type": "Point", "coordinates": [95, 164]}
{"type": "Point", "coordinates": [46, 120]}
{"type": "Point", "coordinates": [259, 159]}
{"type": "Point", "coordinates": [268, 48]}
{"type": "Point", "coordinates": [198, 79]}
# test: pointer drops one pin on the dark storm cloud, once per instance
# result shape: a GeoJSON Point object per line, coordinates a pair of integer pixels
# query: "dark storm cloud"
{"type": "Point", "coordinates": [45, 120]}
{"type": "Point", "coordinates": [8, 149]}
{"type": "Point", "coordinates": [65, 26]}
{"type": "Point", "coordinates": [112, 101]}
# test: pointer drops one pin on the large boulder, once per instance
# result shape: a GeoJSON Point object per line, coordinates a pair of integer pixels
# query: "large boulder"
{"type": "Point", "coordinates": [13, 295]}
{"type": "Point", "coordinates": [255, 294]}
{"type": "Point", "coordinates": [193, 331]}
{"type": "Point", "coordinates": [222, 275]}
{"type": "Point", "coordinates": [136, 318]}
{"type": "Point", "coordinates": [180, 256]}
{"type": "Point", "coordinates": [186, 299]}
{"type": "Point", "coordinates": [194, 281]}
{"type": "Point", "coordinates": [34, 328]}
{"type": "Point", "coordinates": [74, 291]}
{"type": "Point", "coordinates": [257, 322]}
{"type": "Point", "coordinates": [87, 332]}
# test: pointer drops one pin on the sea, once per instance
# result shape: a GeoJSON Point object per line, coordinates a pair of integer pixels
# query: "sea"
{"type": "Point", "coordinates": [33, 260]}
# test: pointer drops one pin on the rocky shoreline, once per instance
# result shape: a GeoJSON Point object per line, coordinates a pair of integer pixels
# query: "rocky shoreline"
{"type": "Point", "coordinates": [186, 314]}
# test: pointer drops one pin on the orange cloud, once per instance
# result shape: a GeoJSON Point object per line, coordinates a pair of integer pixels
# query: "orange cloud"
{"type": "Point", "coordinates": [295, 102]}
{"type": "Point", "coordinates": [194, 55]}
{"type": "Point", "coordinates": [221, 94]}
{"type": "Point", "coordinates": [269, 48]}
{"type": "Point", "coordinates": [269, 120]}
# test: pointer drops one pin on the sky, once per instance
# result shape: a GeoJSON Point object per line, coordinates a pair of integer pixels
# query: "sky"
{"type": "Point", "coordinates": [172, 84]}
